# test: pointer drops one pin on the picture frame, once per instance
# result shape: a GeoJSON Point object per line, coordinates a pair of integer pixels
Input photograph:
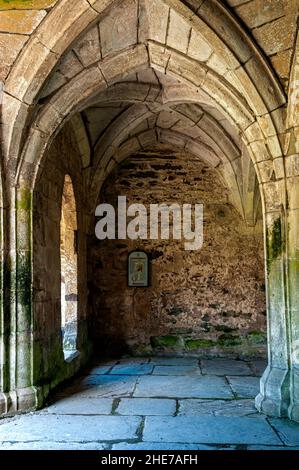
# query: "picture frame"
{"type": "Point", "coordinates": [138, 269]}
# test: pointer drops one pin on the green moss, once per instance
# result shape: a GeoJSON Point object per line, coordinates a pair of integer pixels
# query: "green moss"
{"type": "Point", "coordinates": [192, 344]}
{"type": "Point", "coordinates": [224, 328]}
{"type": "Point", "coordinates": [24, 201]}
{"type": "Point", "coordinates": [257, 337]}
{"type": "Point", "coordinates": [228, 340]}
{"type": "Point", "coordinates": [165, 341]}
{"type": "Point", "coordinates": [275, 242]}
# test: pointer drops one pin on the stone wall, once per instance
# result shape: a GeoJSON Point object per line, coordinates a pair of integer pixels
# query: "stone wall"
{"type": "Point", "coordinates": [210, 301]}
{"type": "Point", "coordinates": [62, 158]}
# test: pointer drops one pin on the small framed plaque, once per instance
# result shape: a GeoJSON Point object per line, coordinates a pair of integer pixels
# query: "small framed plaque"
{"type": "Point", "coordinates": [138, 269]}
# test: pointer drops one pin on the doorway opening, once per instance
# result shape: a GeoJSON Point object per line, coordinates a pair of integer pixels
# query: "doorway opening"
{"type": "Point", "coordinates": [69, 268]}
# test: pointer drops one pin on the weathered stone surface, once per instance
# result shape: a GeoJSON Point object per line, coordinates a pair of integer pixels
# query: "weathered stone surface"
{"type": "Point", "coordinates": [10, 46]}
{"type": "Point", "coordinates": [132, 369]}
{"type": "Point", "coordinates": [119, 28]}
{"type": "Point", "coordinates": [100, 370]}
{"type": "Point", "coordinates": [77, 406]}
{"type": "Point", "coordinates": [176, 370]}
{"type": "Point", "coordinates": [178, 32]}
{"type": "Point", "coordinates": [29, 4]}
{"type": "Point", "coordinates": [175, 361]}
{"type": "Point", "coordinates": [146, 407]}
{"type": "Point", "coordinates": [217, 408]}
{"type": "Point", "coordinates": [70, 428]}
{"type": "Point", "coordinates": [256, 13]}
{"type": "Point", "coordinates": [198, 48]}
{"type": "Point", "coordinates": [184, 387]}
{"type": "Point", "coordinates": [288, 431]}
{"type": "Point", "coordinates": [104, 386]}
{"type": "Point", "coordinates": [277, 35]}
{"type": "Point", "coordinates": [20, 22]}
{"type": "Point", "coordinates": [153, 20]}
{"type": "Point", "coordinates": [209, 429]}
{"type": "Point", "coordinates": [225, 367]}
{"type": "Point", "coordinates": [159, 446]}
{"type": "Point", "coordinates": [52, 446]}
{"type": "Point", "coordinates": [88, 50]}
{"type": "Point", "coordinates": [212, 313]}
{"type": "Point", "coordinates": [258, 367]}
{"type": "Point", "coordinates": [245, 387]}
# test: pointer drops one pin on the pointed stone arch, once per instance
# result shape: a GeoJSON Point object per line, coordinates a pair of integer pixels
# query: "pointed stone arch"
{"type": "Point", "coordinates": [235, 77]}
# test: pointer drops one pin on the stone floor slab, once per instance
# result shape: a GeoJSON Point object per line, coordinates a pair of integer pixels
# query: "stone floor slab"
{"type": "Point", "coordinates": [225, 367]}
{"type": "Point", "coordinates": [183, 387]}
{"type": "Point", "coordinates": [245, 387]}
{"type": "Point", "coordinates": [100, 370]}
{"type": "Point", "coordinates": [161, 446]}
{"type": "Point", "coordinates": [269, 448]}
{"type": "Point", "coordinates": [132, 369]}
{"type": "Point", "coordinates": [193, 407]}
{"type": "Point", "coordinates": [174, 361]}
{"type": "Point", "coordinates": [134, 360]}
{"type": "Point", "coordinates": [258, 366]}
{"type": "Point", "coordinates": [146, 407]}
{"type": "Point", "coordinates": [62, 428]}
{"type": "Point", "coordinates": [52, 446]}
{"type": "Point", "coordinates": [104, 386]}
{"type": "Point", "coordinates": [287, 430]}
{"type": "Point", "coordinates": [209, 430]}
{"type": "Point", "coordinates": [177, 370]}
{"type": "Point", "coordinates": [75, 405]}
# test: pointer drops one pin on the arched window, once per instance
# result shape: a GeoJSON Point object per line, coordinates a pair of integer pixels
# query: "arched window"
{"type": "Point", "coordinates": [69, 275]}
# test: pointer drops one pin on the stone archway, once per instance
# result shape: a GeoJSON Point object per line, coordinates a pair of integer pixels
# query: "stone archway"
{"type": "Point", "coordinates": [233, 78]}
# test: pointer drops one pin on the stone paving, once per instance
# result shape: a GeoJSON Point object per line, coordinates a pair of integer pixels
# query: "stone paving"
{"type": "Point", "coordinates": [154, 404]}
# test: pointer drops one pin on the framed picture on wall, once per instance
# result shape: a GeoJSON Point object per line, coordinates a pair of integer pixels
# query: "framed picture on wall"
{"type": "Point", "coordinates": [138, 269]}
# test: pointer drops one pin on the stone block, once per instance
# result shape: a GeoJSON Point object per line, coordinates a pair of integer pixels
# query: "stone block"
{"type": "Point", "coordinates": [118, 29]}
{"type": "Point", "coordinates": [277, 35]}
{"type": "Point", "coordinates": [198, 48]}
{"type": "Point", "coordinates": [10, 46]}
{"type": "Point", "coordinates": [61, 428]}
{"type": "Point", "coordinates": [20, 22]}
{"type": "Point", "coordinates": [134, 59]}
{"type": "Point", "coordinates": [245, 387]}
{"type": "Point", "coordinates": [288, 431]}
{"type": "Point", "coordinates": [88, 48]}
{"type": "Point", "coordinates": [225, 367]}
{"type": "Point", "coordinates": [178, 32]}
{"type": "Point", "coordinates": [132, 369]}
{"type": "Point", "coordinates": [146, 407]}
{"type": "Point", "coordinates": [217, 408]}
{"type": "Point", "coordinates": [153, 20]}
{"type": "Point", "coordinates": [78, 406]}
{"type": "Point", "coordinates": [209, 430]}
{"type": "Point", "coordinates": [183, 387]}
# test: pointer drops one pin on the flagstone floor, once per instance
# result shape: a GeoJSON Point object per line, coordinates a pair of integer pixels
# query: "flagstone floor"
{"type": "Point", "coordinates": [155, 404]}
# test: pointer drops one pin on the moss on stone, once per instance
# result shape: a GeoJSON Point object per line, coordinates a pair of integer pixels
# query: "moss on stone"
{"type": "Point", "coordinates": [257, 337]}
{"type": "Point", "coordinates": [228, 340]}
{"type": "Point", "coordinates": [166, 341]}
{"type": "Point", "coordinates": [275, 242]}
{"type": "Point", "coordinates": [192, 344]}
{"type": "Point", "coordinates": [24, 200]}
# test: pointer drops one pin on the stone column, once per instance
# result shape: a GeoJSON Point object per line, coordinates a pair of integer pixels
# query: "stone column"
{"type": "Point", "coordinates": [274, 396]}
{"type": "Point", "coordinates": [292, 169]}
{"type": "Point", "coordinates": [22, 395]}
